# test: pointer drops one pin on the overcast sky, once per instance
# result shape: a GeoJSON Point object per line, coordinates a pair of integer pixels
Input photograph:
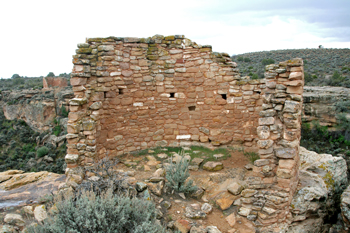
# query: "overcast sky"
{"type": "Point", "coordinates": [41, 36]}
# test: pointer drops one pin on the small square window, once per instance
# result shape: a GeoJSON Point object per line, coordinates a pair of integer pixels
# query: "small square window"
{"type": "Point", "coordinates": [224, 96]}
{"type": "Point", "coordinates": [172, 94]}
{"type": "Point", "coordinates": [192, 108]}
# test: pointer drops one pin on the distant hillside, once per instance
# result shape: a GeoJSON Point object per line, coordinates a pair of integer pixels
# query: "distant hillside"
{"type": "Point", "coordinates": [17, 82]}
{"type": "Point", "coordinates": [322, 66]}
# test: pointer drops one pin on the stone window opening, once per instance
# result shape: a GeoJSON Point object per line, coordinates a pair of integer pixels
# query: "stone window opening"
{"type": "Point", "coordinates": [223, 96]}
{"type": "Point", "coordinates": [191, 108]}
{"type": "Point", "coordinates": [120, 91]}
{"type": "Point", "coordinates": [172, 95]}
{"type": "Point", "coordinates": [105, 94]}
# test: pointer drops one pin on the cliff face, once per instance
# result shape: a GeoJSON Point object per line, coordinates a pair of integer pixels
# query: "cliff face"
{"type": "Point", "coordinates": [320, 103]}
{"type": "Point", "coordinates": [38, 108]}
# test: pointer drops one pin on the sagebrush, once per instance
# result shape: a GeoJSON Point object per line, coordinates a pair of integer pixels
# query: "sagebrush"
{"type": "Point", "coordinates": [105, 213]}
{"type": "Point", "coordinates": [177, 174]}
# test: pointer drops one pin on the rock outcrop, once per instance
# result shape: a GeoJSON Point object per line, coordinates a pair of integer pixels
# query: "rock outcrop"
{"type": "Point", "coordinates": [345, 208]}
{"type": "Point", "coordinates": [320, 103]}
{"type": "Point", "coordinates": [38, 108]}
{"type": "Point", "coordinates": [323, 178]}
{"type": "Point", "coordinates": [17, 188]}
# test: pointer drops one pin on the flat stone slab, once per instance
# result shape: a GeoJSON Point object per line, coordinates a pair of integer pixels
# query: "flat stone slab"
{"type": "Point", "coordinates": [213, 166]}
{"type": "Point", "coordinates": [224, 203]}
{"type": "Point", "coordinates": [197, 161]}
{"type": "Point", "coordinates": [162, 156]}
{"type": "Point", "coordinates": [24, 192]}
{"type": "Point", "coordinates": [217, 156]}
{"type": "Point", "coordinates": [235, 188]}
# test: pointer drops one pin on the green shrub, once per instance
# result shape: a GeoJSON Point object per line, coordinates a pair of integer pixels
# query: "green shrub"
{"type": "Point", "coordinates": [344, 125]}
{"type": "Point", "coordinates": [42, 151]}
{"type": "Point", "coordinates": [247, 59]}
{"type": "Point", "coordinates": [105, 213]}
{"type": "Point", "coordinates": [268, 61]}
{"type": "Point", "coordinates": [57, 130]}
{"type": "Point", "coordinates": [46, 198]}
{"type": "Point", "coordinates": [108, 178]}
{"type": "Point", "coordinates": [64, 111]}
{"type": "Point", "coordinates": [50, 74]}
{"type": "Point", "coordinates": [255, 76]}
{"type": "Point", "coordinates": [252, 156]}
{"type": "Point", "coordinates": [343, 106]}
{"type": "Point", "coordinates": [336, 80]}
{"type": "Point", "coordinates": [177, 174]}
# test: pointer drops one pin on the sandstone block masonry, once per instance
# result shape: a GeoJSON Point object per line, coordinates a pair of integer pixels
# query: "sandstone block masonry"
{"type": "Point", "coordinates": [276, 174]}
{"type": "Point", "coordinates": [138, 93]}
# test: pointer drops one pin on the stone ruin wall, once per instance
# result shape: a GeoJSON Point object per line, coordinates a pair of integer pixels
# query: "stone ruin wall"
{"type": "Point", "coordinates": [52, 82]}
{"type": "Point", "coordinates": [138, 93]}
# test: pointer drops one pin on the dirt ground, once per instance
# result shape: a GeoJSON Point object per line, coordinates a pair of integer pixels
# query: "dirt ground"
{"type": "Point", "coordinates": [237, 161]}
{"type": "Point", "coordinates": [233, 167]}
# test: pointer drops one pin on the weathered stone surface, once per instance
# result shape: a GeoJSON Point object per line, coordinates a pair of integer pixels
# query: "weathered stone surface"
{"type": "Point", "coordinates": [40, 213]}
{"type": "Point", "coordinates": [160, 172]}
{"type": "Point", "coordinates": [235, 188]}
{"type": "Point", "coordinates": [322, 177]}
{"type": "Point", "coordinates": [231, 219]}
{"type": "Point", "coordinates": [14, 219]}
{"type": "Point", "coordinates": [212, 229]}
{"type": "Point", "coordinates": [295, 75]}
{"type": "Point", "coordinates": [193, 213]}
{"type": "Point", "coordinates": [156, 188]}
{"type": "Point", "coordinates": [248, 192]}
{"type": "Point", "coordinates": [261, 162]}
{"type": "Point", "coordinates": [244, 211]}
{"type": "Point", "coordinates": [96, 105]}
{"type": "Point", "coordinates": [36, 107]}
{"type": "Point", "coordinates": [22, 188]}
{"type": "Point", "coordinates": [291, 106]}
{"type": "Point", "coordinates": [182, 225]}
{"type": "Point", "coordinates": [197, 161]}
{"type": "Point", "coordinates": [264, 144]}
{"type": "Point", "coordinates": [284, 173]}
{"type": "Point", "coordinates": [204, 130]}
{"type": "Point", "coordinates": [22, 179]}
{"type": "Point", "coordinates": [28, 210]}
{"type": "Point", "coordinates": [285, 153]}
{"type": "Point", "coordinates": [198, 229]}
{"type": "Point", "coordinates": [224, 203]}
{"type": "Point", "coordinates": [268, 113]}
{"type": "Point", "coordinates": [140, 186]}
{"type": "Point", "coordinates": [263, 132]}
{"type": "Point", "coordinates": [345, 207]}
{"type": "Point", "coordinates": [213, 166]}
{"type": "Point", "coordinates": [319, 103]}
{"type": "Point", "coordinates": [71, 158]}
{"type": "Point", "coordinates": [207, 208]}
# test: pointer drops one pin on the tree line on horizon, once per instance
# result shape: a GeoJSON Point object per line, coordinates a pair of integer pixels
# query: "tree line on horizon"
{"type": "Point", "coordinates": [17, 82]}
{"type": "Point", "coordinates": [322, 67]}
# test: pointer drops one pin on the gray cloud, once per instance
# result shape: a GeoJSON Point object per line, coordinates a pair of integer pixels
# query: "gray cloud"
{"type": "Point", "coordinates": [330, 18]}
